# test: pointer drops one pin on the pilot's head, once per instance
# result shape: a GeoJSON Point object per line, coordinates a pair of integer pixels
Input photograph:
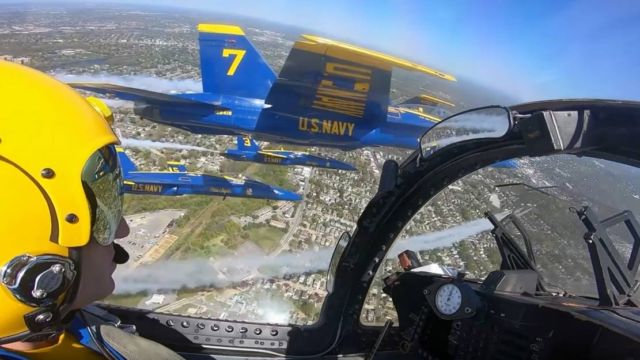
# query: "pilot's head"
{"type": "Point", "coordinates": [60, 203]}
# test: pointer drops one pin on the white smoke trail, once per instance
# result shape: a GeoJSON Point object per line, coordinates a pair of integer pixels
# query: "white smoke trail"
{"type": "Point", "coordinates": [273, 310]}
{"type": "Point", "coordinates": [441, 238]}
{"type": "Point", "coordinates": [148, 144]}
{"type": "Point", "coordinates": [145, 82]}
{"type": "Point", "coordinates": [216, 273]}
{"type": "Point", "coordinates": [118, 104]}
{"type": "Point", "coordinates": [222, 272]}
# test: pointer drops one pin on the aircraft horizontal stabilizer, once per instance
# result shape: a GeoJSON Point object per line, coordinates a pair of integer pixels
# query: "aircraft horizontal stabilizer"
{"type": "Point", "coordinates": [140, 95]}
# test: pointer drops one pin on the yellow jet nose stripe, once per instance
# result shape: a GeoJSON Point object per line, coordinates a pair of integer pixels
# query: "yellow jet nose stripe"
{"type": "Point", "coordinates": [361, 55]}
{"type": "Point", "coordinates": [220, 29]}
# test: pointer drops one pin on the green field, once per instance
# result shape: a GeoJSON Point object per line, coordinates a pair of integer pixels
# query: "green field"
{"type": "Point", "coordinates": [129, 300]}
{"type": "Point", "coordinates": [186, 293]}
{"type": "Point", "coordinates": [267, 237]}
{"type": "Point", "coordinates": [206, 229]}
{"type": "Point", "coordinates": [134, 204]}
{"type": "Point", "coordinates": [271, 174]}
{"type": "Point", "coordinates": [209, 232]}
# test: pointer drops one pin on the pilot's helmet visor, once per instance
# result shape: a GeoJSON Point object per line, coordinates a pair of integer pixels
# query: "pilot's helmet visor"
{"type": "Point", "coordinates": [102, 178]}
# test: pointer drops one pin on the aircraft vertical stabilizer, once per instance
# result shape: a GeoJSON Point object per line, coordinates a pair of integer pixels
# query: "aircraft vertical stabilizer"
{"type": "Point", "coordinates": [125, 163]}
{"type": "Point", "coordinates": [246, 143]}
{"type": "Point", "coordinates": [230, 64]}
{"type": "Point", "coordinates": [176, 166]}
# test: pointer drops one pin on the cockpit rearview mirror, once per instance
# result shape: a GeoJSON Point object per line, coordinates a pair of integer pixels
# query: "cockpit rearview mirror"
{"type": "Point", "coordinates": [486, 122]}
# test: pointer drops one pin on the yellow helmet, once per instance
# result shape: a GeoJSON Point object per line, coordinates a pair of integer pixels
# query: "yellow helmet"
{"type": "Point", "coordinates": [61, 186]}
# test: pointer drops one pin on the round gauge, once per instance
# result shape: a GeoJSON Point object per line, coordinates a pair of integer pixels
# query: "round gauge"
{"type": "Point", "coordinates": [448, 299]}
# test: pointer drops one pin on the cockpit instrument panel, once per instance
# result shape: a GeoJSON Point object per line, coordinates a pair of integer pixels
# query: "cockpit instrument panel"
{"type": "Point", "coordinates": [448, 299]}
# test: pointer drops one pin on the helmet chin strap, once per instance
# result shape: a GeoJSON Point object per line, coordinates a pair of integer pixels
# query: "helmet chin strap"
{"type": "Point", "coordinates": [120, 257]}
{"type": "Point", "coordinates": [65, 307]}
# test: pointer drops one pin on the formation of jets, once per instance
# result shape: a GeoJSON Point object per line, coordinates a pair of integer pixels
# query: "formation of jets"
{"type": "Point", "coordinates": [328, 94]}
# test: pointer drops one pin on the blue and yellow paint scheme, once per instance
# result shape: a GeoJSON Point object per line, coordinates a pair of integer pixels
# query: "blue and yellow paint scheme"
{"type": "Point", "coordinates": [177, 181]}
{"type": "Point", "coordinates": [248, 150]}
{"type": "Point", "coordinates": [428, 105]}
{"type": "Point", "coordinates": [328, 94]}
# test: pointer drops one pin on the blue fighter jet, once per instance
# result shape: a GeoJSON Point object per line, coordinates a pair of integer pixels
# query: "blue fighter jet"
{"type": "Point", "coordinates": [249, 150]}
{"type": "Point", "coordinates": [177, 181]}
{"type": "Point", "coordinates": [328, 94]}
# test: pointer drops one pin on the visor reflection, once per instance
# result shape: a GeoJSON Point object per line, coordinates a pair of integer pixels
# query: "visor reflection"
{"type": "Point", "coordinates": [103, 180]}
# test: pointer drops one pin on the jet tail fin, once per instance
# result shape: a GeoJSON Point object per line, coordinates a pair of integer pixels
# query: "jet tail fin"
{"type": "Point", "coordinates": [330, 89]}
{"type": "Point", "coordinates": [125, 162]}
{"type": "Point", "coordinates": [247, 143]}
{"type": "Point", "coordinates": [176, 166]}
{"type": "Point", "coordinates": [230, 64]}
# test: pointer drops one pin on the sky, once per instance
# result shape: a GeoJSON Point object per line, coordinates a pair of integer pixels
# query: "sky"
{"type": "Point", "coordinates": [531, 50]}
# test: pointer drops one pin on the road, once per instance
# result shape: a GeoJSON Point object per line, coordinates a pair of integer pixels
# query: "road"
{"type": "Point", "coordinates": [284, 242]}
{"type": "Point", "coordinates": [169, 308]}
{"type": "Point", "coordinates": [376, 163]}
{"type": "Point", "coordinates": [157, 251]}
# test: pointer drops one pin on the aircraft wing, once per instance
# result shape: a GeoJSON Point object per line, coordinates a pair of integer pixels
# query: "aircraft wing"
{"type": "Point", "coordinates": [133, 94]}
{"type": "Point", "coordinates": [267, 153]}
{"type": "Point", "coordinates": [427, 100]}
{"type": "Point", "coordinates": [428, 117]}
{"type": "Point", "coordinates": [330, 88]}
{"type": "Point", "coordinates": [364, 56]}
